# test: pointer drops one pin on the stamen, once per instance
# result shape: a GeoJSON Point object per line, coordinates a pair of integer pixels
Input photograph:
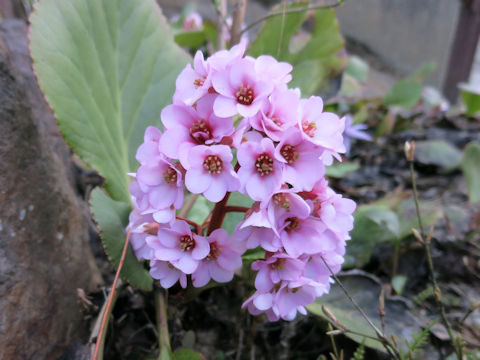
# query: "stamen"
{"type": "Point", "coordinates": [214, 252]}
{"type": "Point", "coordinates": [170, 176]}
{"type": "Point", "coordinates": [309, 128]}
{"type": "Point", "coordinates": [289, 153]}
{"type": "Point", "coordinates": [213, 164]}
{"type": "Point", "coordinates": [187, 243]}
{"type": "Point", "coordinates": [293, 224]}
{"type": "Point", "coordinates": [264, 164]}
{"type": "Point", "coordinates": [245, 95]}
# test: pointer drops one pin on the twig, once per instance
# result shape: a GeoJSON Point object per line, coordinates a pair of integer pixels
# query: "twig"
{"type": "Point", "coordinates": [391, 349]}
{"type": "Point", "coordinates": [162, 320]}
{"type": "Point", "coordinates": [332, 340]}
{"type": "Point", "coordinates": [221, 29]}
{"type": "Point", "coordinates": [426, 243]}
{"type": "Point", "coordinates": [238, 15]}
{"type": "Point", "coordinates": [290, 11]}
{"type": "Point", "coordinates": [108, 309]}
{"type": "Point", "coordinates": [188, 205]}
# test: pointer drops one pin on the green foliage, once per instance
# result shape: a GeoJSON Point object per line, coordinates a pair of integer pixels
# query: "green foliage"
{"type": "Point", "coordinates": [359, 353]}
{"type": "Point", "coordinates": [340, 170]}
{"type": "Point", "coordinates": [318, 59]}
{"type": "Point", "coordinates": [471, 171]}
{"type": "Point", "coordinates": [233, 218]}
{"type": "Point", "coordinates": [398, 283]}
{"type": "Point", "coordinates": [439, 153]}
{"type": "Point", "coordinates": [420, 339]}
{"type": "Point", "coordinates": [471, 99]}
{"type": "Point", "coordinates": [187, 354]}
{"type": "Point", "coordinates": [387, 220]}
{"type": "Point", "coordinates": [196, 38]}
{"type": "Point", "coordinates": [357, 68]}
{"type": "Point", "coordinates": [423, 295]}
{"type": "Point", "coordinates": [107, 68]}
{"type": "Point", "coordinates": [405, 93]}
{"type": "Point", "coordinates": [200, 210]}
{"type": "Point", "coordinates": [112, 218]}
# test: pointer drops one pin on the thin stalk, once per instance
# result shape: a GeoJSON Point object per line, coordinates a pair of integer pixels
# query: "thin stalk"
{"type": "Point", "coordinates": [162, 320]}
{"type": "Point", "coordinates": [386, 343]}
{"type": "Point", "coordinates": [188, 205]}
{"type": "Point", "coordinates": [332, 340]}
{"type": "Point", "coordinates": [438, 294]}
{"type": "Point", "coordinates": [221, 29]}
{"type": "Point", "coordinates": [238, 15]}
{"type": "Point", "coordinates": [108, 309]}
{"type": "Point", "coordinates": [291, 11]}
{"type": "Point", "coordinates": [236, 209]}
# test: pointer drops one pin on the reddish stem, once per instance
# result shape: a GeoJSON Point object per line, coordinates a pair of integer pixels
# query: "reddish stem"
{"type": "Point", "coordinates": [193, 223]}
{"type": "Point", "coordinates": [110, 297]}
{"type": "Point", "coordinates": [236, 209]}
{"type": "Point", "coordinates": [218, 214]}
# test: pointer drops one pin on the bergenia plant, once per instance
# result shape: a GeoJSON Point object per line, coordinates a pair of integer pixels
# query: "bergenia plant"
{"type": "Point", "coordinates": [235, 126]}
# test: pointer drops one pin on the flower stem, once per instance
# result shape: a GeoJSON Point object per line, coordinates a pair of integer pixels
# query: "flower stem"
{"type": "Point", "coordinates": [238, 15]}
{"type": "Point", "coordinates": [98, 352]}
{"type": "Point", "coordinates": [218, 214]}
{"type": "Point", "coordinates": [426, 243]}
{"type": "Point", "coordinates": [391, 349]}
{"type": "Point", "coordinates": [162, 321]}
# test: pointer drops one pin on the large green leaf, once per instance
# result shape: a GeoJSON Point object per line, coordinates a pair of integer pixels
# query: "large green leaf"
{"type": "Point", "coordinates": [317, 60]}
{"type": "Point", "coordinates": [439, 153]}
{"type": "Point", "coordinates": [107, 68]}
{"type": "Point", "coordinates": [471, 171]}
{"type": "Point", "coordinates": [112, 218]}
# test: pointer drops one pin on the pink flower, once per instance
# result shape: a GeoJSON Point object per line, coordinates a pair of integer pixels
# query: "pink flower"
{"type": "Point", "coordinates": [305, 236]}
{"type": "Point", "coordinates": [149, 151]}
{"type": "Point", "coordinates": [179, 246]}
{"type": "Point", "coordinates": [241, 90]}
{"type": "Point", "coordinates": [279, 113]}
{"type": "Point", "coordinates": [303, 166]}
{"type": "Point", "coordinates": [271, 70]}
{"type": "Point", "coordinates": [221, 59]}
{"type": "Point", "coordinates": [316, 270]}
{"type": "Point", "coordinates": [283, 204]}
{"type": "Point", "coordinates": [167, 274]}
{"type": "Point", "coordinates": [257, 230]}
{"type": "Point", "coordinates": [141, 201]}
{"type": "Point", "coordinates": [186, 128]}
{"type": "Point", "coordinates": [210, 172]}
{"type": "Point", "coordinates": [140, 227]}
{"type": "Point", "coordinates": [162, 182]}
{"type": "Point", "coordinates": [193, 21]}
{"type": "Point", "coordinates": [275, 268]}
{"type": "Point", "coordinates": [260, 173]}
{"type": "Point", "coordinates": [322, 128]}
{"type": "Point", "coordinates": [193, 83]}
{"type": "Point", "coordinates": [220, 264]}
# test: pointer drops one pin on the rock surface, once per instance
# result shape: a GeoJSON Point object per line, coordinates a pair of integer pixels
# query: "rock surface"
{"type": "Point", "coordinates": [44, 249]}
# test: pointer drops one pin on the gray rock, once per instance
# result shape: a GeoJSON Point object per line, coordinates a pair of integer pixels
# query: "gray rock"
{"type": "Point", "coordinates": [44, 250]}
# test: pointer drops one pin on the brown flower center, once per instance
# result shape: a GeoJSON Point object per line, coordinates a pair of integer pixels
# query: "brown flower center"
{"type": "Point", "coordinates": [289, 153]}
{"type": "Point", "coordinates": [170, 176]}
{"type": "Point", "coordinates": [213, 164]}
{"type": "Point", "coordinates": [293, 224]}
{"type": "Point", "coordinates": [244, 95]}
{"type": "Point", "coordinates": [214, 252]}
{"type": "Point", "coordinates": [200, 131]}
{"type": "Point", "coordinates": [187, 243]}
{"type": "Point", "coordinates": [264, 165]}
{"type": "Point", "coordinates": [281, 200]}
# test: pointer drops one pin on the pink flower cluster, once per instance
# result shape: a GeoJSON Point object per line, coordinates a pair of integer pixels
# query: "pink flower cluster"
{"type": "Point", "coordinates": [234, 125]}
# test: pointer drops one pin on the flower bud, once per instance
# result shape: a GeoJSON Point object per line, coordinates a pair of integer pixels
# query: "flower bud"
{"type": "Point", "coordinates": [409, 150]}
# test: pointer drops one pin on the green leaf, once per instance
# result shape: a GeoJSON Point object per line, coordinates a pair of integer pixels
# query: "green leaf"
{"type": "Point", "coordinates": [374, 224]}
{"type": "Point", "coordinates": [112, 218]}
{"type": "Point", "coordinates": [471, 99]}
{"type": "Point", "coordinates": [424, 71]}
{"type": "Point", "coordinates": [405, 93]}
{"type": "Point", "coordinates": [233, 218]}
{"type": "Point", "coordinates": [407, 214]}
{"type": "Point", "coordinates": [314, 61]}
{"type": "Point", "coordinates": [187, 354]}
{"type": "Point", "coordinates": [107, 68]}
{"type": "Point", "coordinates": [340, 170]}
{"type": "Point", "coordinates": [439, 153]}
{"type": "Point", "coordinates": [365, 290]}
{"type": "Point", "coordinates": [357, 68]}
{"type": "Point", "coordinates": [191, 39]}
{"type": "Point", "coordinates": [471, 171]}
{"type": "Point", "coordinates": [398, 283]}
{"type": "Point", "coordinates": [200, 210]}
{"type": "Point", "coordinates": [254, 254]}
